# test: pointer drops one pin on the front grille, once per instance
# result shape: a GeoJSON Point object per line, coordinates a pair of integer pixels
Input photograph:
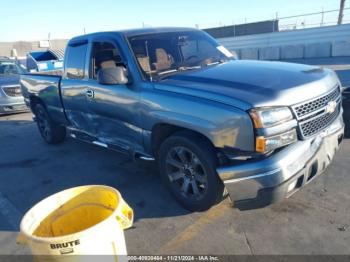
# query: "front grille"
{"type": "Point", "coordinates": [309, 107]}
{"type": "Point", "coordinates": [13, 91]}
{"type": "Point", "coordinates": [313, 116]}
{"type": "Point", "coordinates": [312, 127]}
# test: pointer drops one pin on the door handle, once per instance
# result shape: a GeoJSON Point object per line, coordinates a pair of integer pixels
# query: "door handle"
{"type": "Point", "coordinates": [90, 93]}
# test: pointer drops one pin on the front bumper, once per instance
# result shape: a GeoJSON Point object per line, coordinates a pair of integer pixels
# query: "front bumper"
{"type": "Point", "coordinates": [9, 106]}
{"type": "Point", "coordinates": [259, 183]}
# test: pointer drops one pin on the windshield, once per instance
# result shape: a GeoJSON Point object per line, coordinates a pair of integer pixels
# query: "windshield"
{"type": "Point", "coordinates": [9, 68]}
{"type": "Point", "coordinates": [161, 54]}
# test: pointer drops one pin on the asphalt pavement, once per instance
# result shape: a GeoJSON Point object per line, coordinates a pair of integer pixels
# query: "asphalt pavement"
{"type": "Point", "coordinates": [316, 220]}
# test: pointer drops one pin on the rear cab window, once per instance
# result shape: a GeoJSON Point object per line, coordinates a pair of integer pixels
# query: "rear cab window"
{"type": "Point", "coordinates": [75, 60]}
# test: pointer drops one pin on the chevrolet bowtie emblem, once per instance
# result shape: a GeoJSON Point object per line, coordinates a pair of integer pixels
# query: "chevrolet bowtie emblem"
{"type": "Point", "coordinates": [331, 106]}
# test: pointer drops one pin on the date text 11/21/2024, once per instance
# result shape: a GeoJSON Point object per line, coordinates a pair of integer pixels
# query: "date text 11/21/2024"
{"type": "Point", "coordinates": [173, 258]}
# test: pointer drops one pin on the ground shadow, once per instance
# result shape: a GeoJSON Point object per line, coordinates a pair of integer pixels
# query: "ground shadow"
{"type": "Point", "coordinates": [31, 170]}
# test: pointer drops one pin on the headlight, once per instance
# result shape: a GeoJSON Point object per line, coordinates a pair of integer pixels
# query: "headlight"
{"type": "Point", "coordinates": [267, 144]}
{"type": "Point", "coordinates": [270, 117]}
{"type": "Point", "coordinates": [267, 117]}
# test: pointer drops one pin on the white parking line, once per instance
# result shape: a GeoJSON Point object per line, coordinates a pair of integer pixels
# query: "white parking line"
{"type": "Point", "coordinates": [10, 212]}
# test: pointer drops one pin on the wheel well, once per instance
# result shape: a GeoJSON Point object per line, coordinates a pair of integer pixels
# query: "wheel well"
{"type": "Point", "coordinates": [161, 132]}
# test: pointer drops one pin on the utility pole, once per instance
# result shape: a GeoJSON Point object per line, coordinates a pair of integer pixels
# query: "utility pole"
{"type": "Point", "coordinates": [322, 18]}
{"type": "Point", "coordinates": [341, 12]}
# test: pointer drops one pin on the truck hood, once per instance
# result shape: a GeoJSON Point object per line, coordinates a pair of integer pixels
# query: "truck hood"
{"type": "Point", "coordinates": [247, 84]}
{"type": "Point", "coordinates": [9, 80]}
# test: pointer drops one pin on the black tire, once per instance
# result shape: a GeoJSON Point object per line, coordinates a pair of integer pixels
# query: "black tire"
{"type": "Point", "coordinates": [50, 131]}
{"type": "Point", "coordinates": [196, 184]}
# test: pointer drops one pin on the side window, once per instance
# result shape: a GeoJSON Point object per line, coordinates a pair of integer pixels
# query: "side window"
{"type": "Point", "coordinates": [75, 65]}
{"type": "Point", "coordinates": [104, 55]}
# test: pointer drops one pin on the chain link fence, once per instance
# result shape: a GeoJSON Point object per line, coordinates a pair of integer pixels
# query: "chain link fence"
{"type": "Point", "coordinates": [310, 20]}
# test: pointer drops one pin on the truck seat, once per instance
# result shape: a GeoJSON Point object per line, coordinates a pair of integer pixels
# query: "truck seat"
{"type": "Point", "coordinates": [144, 63]}
{"type": "Point", "coordinates": [108, 64]}
{"type": "Point", "coordinates": [105, 59]}
{"type": "Point", "coordinates": [164, 60]}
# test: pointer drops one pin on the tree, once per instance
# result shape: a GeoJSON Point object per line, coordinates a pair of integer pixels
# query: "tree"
{"type": "Point", "coordinates": [341, 12]}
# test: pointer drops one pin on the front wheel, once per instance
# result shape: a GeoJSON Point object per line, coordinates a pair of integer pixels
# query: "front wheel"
{"type": "Point", "coordinates": [51, 132]}
{"type": "Point", "coordinates": [188, 167]}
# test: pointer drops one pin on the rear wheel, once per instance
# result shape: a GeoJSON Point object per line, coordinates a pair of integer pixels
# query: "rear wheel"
{"type": "Point", "coordinates": [50, 131]}
{"type": "Point", "coordinates": [188, 167]}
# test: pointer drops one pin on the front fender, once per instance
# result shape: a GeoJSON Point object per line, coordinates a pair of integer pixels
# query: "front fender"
{"type": "Point", "coordinates": [222, 124]}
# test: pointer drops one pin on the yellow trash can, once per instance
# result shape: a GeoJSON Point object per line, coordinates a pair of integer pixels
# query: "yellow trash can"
{"type": "Point", "coordinates": [86, 220]}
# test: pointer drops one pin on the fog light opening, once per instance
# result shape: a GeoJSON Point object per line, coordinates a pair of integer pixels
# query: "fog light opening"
{"type": "Point", "coordinates": [313, 170]}
{"type": "Point", "coordinates": [8, 108]}
{"type": "Point", "coordinates": [298, 183]}
{"type": "Point", "coordinates": [340, 139]}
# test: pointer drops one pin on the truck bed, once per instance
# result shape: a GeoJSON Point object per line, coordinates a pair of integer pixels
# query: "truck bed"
{"type": "Point", "coordinates": [44, 88]}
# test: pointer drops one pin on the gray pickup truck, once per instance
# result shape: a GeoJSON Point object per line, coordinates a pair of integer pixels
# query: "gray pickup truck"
{"type": "Point", "coordinates": [11, 99]}
{"type": "Point", "coordinates": [260, 130]}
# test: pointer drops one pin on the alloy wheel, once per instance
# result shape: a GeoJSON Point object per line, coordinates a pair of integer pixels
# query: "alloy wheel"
{"type": "Point", "coordinates": [43, 123]}
{"type": "Point", "coordinates": [186, 172]}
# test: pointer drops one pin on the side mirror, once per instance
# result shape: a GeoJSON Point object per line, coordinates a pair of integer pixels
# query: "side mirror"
{"type": "Point", "coordinates": [113, 76]}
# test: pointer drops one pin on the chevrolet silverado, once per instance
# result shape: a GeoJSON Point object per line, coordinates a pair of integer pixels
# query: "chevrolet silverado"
{"type": "Point", "coordinates": [257, 131]}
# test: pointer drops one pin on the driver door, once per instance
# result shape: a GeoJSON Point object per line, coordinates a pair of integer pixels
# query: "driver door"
{"type": "Point", "coordinates": [112, 108]}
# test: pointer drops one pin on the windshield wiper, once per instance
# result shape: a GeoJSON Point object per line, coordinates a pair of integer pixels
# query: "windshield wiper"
{"type": "Point", "coordinates": [213, 63]}
{"type": "Point", "coordinates": [166, 73]}
{"type": "Point", "coordinates": [180, 68]}
{"type": "Point", "coordinates": [221, 61]}
{"type": "Point", "coordinates": [185, 68]}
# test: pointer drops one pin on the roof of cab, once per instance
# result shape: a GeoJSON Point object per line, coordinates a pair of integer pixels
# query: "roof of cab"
{"type": "Point", "coordinates": [136, 32]}
{"type": "Point", "coordinates": [145, 31]}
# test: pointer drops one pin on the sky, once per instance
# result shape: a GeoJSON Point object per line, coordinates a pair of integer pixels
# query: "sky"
{"type": "Point", "coordinates": [63, 19]}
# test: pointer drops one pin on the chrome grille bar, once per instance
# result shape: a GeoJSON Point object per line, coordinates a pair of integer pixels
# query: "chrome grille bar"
{"type": "Point", "coordinates": [12, 90]}
{"type": "Point", "coordinates": [313, 116]}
